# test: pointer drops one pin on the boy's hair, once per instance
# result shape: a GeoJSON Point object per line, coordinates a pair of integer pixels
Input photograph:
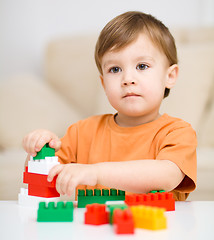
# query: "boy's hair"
{"type": "Point", "coordinates": [125, 28]}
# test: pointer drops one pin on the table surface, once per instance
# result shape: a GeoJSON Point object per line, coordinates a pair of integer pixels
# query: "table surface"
{"type": "Point", "coordinates": [190, 220]}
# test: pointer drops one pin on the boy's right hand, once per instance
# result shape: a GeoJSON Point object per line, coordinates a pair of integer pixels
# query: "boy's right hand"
{"type": "Point", "coordinates": [34, 141]}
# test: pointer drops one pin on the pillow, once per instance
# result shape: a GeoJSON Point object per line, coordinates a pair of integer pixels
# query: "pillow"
{"type": "Point", "coordinates": [27, 103]}
{"type": "Point", "coordinates": [190, 95]}
{"type": "Point", "coordinates": [206, 130]}
{"type": "Point", "coordinates": [70, 68]}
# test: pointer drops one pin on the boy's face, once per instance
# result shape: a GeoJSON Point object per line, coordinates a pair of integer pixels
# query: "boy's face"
{"type": "Point", "coordinates": [134, 79]}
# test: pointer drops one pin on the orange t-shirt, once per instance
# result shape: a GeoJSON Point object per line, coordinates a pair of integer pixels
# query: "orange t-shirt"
{"type": "Point", "coordinates": [100, 139]}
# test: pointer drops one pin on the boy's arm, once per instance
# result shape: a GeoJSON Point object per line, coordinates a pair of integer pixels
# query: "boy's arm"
{"type": "Point", "coordinates": [140, 176]}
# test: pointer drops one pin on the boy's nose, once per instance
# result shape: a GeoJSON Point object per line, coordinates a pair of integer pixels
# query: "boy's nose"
{"type": "Point", "coordinates": [128, 78]}
{"type": "Point", "coordinates": [128, 82]}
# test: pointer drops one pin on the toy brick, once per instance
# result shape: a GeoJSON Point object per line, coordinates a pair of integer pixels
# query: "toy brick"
{"type": "Point", "coordinates": [32, 201]}
{"type": "Point", "coordinates": [123, 221]}
{"type": "Point", "coordinates": [155, 191]}
{"type": "Point", "coordinates": [38, 179]}
{"type": "Point", "coordinates": [42, 166]}
{"type": "Point", "coordinates": [150, 218]}
{"type": "Point", "coordinates": [46, 151]}
{"type": "Point", "coordinates": [59, 212]}
{"type": "Point", "coordinates": [158, 199]}
{"type": "Point", "coordinates": [42, 191]}
{"type": "Point", "coordinates": [89, 197]}
{"type": "Point", "coordinates": [96, 214]}
{"type": "Point", "coordinates": [110, 203]}
{"type": "Point", "coordinates": [112, 208]}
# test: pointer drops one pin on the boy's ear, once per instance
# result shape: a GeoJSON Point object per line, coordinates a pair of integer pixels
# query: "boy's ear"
{"type": "Point", "coordinates": [172, 76]}
{"type": "Point", "coordinates": [102, 81]}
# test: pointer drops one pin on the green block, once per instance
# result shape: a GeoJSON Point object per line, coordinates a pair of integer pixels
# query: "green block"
{"type": "Point", "coordinates": [113, 207]}
{"type": "Point", "coordinates": [89, 197]}
{"type": "Point", "coordinates": [46, 151]}
{"type": "Point", "coordinates": [60, 212]}
{"type": "Point", "coordinates": [155, 191]}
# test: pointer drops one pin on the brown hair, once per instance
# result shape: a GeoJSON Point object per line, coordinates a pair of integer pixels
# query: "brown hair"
{"type": "Point", "coordinates": [125, 28]}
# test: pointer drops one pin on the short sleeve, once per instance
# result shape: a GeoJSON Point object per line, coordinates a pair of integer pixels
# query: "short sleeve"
{"type": "Point", "coordinates": [179, 146]}
{"type": "Point", "coordinates": [67, 152]}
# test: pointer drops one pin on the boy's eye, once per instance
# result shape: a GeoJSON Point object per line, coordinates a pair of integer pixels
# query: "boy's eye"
{"type": "Point", "coordinates": [115, 70]}
{"type": "Point", "coordinates": [142, 66]}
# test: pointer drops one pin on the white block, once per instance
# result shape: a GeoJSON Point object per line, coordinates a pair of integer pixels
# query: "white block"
{"type": "Point", "coordinates": [42, 166]}
{"type": "Point", "coordinates": [32, 201]}
{"type": "Point", "coordinates": [110, 203]}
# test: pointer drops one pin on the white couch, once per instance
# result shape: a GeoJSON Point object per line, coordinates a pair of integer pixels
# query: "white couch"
{"type": "Point", "coordinates": [71, 90]}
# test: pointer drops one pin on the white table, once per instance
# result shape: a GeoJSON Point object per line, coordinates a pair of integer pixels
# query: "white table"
{"type": "Point", "coordinates": [190, 220]}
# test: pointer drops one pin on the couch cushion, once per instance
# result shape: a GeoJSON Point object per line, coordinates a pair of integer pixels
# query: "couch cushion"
{"type": "Point", "coordinates": [27, 103]}
{"type": "Point", "coordinates": [206, 130]}
{"type": "Point", "coordinates": [189, 98]}
{"type": "Point", "coordinates": [199, 35]}
{"type": "Point", "coordinates": [70, 68]}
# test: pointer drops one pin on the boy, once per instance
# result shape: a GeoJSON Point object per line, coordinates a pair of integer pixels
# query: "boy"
{"type": "Point", "coordinates": [137, 149]}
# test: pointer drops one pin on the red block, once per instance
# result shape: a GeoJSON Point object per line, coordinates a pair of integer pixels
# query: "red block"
{"type": "Point", "coordinates": [38, 179]}
{"type": "Point", "coordinates": [123, 221]}
{"type": "Point", "coordinates": [96, 214]}
{"type": "Point", "coordinates": [42, 191]}
{"type": "Point", "coordinates": [162, 200]}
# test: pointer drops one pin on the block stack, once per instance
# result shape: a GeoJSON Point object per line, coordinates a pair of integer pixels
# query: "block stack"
{"type": "Point", "coordinates": [35, 175]}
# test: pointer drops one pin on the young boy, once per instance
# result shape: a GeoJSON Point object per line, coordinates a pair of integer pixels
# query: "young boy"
{"type": "Point", "coordinates": [137, 149]}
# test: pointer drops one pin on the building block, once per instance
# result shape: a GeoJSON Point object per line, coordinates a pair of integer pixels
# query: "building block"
{"type": "Point", "coordinates": [89, 197]}
{"type": "Point", "coordinates": [46, 151]}
{"type": "Point", "coordinates": [42, 166]}
{"type": "Point", "coordinates": [110, 203]}
{"type": "Point", "coordinates": [42, 191]}
{"type": "Point", "coordinates": [32, 201]}
{"type": "Point", "coordinates": [96, 214]}
{"type": "Point", "coordinates": [59, 212]}
{"type": "Point", "coordinates": [112, 208]}
{"type": "Point", "coordinates": [155, 191]}
{"type": "Point", "coordinates": [123, 221]}
{"type": "Point", "coordinates": [150, 218]}
{"type": "Point", "coordinates": [158, 199]}
{"type": "Point", "coordinates": [38, 179]}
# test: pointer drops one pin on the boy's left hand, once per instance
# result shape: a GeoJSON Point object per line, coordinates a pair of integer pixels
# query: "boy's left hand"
{"type": "Point", "coordinates": [72, 174]}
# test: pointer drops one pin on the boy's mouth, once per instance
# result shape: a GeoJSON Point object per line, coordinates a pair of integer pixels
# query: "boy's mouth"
{"type": "Point", "coordinates": [131, 94]}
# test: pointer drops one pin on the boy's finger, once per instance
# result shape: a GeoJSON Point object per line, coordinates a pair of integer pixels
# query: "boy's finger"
{"type": "Point", "coordinates": [62, 182]}
{"type": "Point", "coordinates": [54, 171]}
{"type": "Point", "coordinates": [41, 142]}
{"type": "Point", "coordinates": [55, 143]}
{"type": "Point", "coordinates": [71, 187]}
{"type": "Point", "coordinates": [31, 144]}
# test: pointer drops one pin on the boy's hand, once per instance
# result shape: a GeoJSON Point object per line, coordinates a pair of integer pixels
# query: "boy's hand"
{"type": "Point", "coordinates": [34, 141]}
{"type": "Point", "coordinates": [71, 175]}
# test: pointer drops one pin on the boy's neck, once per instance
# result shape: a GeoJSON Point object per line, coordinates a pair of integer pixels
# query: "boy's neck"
{"type": "Point", "coordinates": [129, 121]}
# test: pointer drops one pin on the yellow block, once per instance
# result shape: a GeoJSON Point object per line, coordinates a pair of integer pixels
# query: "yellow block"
{"type": "Point", "coordinates": [151, 218]}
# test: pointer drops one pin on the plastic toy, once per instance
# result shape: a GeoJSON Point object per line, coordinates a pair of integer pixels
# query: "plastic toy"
{"type": "Point", "coordinates": [157, 199]}
{"type": "Point", "coordinates": [32, 201]}
{"type": "Point", "coordinates": [39, 186]}
{"type": "Point", "coordinates": [123, 221]}
{"type": "Point", "coordinates": [112, 208]}
{"type": "Point", "coordinates": [62, 212]}
{"type": "Point", "coordinates": [42, 166]}
{"type": "Point", "coordinates": [35, 176]}
{"type": "Point", "coordinates": [89, 197]}
{"type": "Point", "coordinates": [150, 218]}
{"type": "Point", "coordinates": [37, 179]}
{"type": "Point", "coordinates": [96, 214]}
{"type": "Point", "coordinates": [44, 152]}
{"type": "Point", "coordinates": [155, 191]}
{"type": "Point", "coordinates": [42, 191]}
